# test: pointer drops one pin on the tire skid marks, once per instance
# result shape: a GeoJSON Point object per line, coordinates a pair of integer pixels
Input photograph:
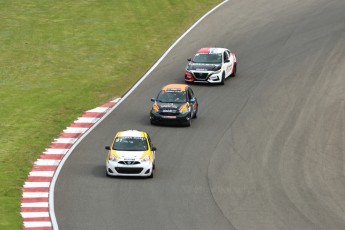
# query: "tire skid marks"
{"type": "Point", "coordinates": [35, 196]}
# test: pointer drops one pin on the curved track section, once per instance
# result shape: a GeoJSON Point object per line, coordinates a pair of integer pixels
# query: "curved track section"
{"type": "Point", "coordinates": [267, 149]}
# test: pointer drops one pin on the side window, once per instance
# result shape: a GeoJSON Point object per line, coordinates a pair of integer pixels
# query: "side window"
{"type": "Point", "coordinates": [191, 93]}
{"type": "Point", "coordinates": [228, 52]}
{"type": "Point", "coordinates": [226, 56]}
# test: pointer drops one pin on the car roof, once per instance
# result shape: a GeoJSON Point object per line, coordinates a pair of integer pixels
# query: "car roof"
{"type": "Point", "coordinates": [177, 87]}
{"type": "Point", "coordinates": [131, 133]}
{"type": "Point", "coordinates": [211, 50]}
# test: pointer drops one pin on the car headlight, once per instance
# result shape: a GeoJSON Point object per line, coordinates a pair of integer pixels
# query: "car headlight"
{"type": "Point", "coordinates": [145, 158]}
{"type": "Point", "coordinates": [155, 108]}
{"type": "Point", "coordinates": [184, 109]}
{"type": "Point", "coordinates": [217, 72]}
{"type": "Point", "coordinates": [112, 157]}
{"type": "Point", "coordinates": [188, 75]}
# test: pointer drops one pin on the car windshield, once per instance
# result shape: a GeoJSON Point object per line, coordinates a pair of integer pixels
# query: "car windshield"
{"type": "Point", "coordinates": [130, 144]}
{"type": "Point", "coordinates": [207, 58]}
{"type": "Point", "coordinates": [172, 97]}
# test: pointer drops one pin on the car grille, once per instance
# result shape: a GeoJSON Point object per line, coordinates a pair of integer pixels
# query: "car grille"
{"type": "Point", "coordinates": [129, 162]}
{"type": "Point", "coordinates": [200, 76]}
{"type": "Point", "coordinates": [168, 114]}
{"type": "Point", "coordinates": [129, 170]}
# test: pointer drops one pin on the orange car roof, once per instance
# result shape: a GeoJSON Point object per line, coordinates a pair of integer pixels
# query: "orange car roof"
{"type": "Point", "coordinates": [181, 87]}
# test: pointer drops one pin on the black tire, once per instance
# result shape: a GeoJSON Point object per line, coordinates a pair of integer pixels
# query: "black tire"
{"type": "Point", "coordinates": [223, 79]}
{"type": "Point", "coordinates": [234, 72]}
{"type": "Point", "coordinates": [151, 175]}
{"type": "Point", "coordinates": [195, 115]}
{"type": "Point", "coordinates": [189, 122]}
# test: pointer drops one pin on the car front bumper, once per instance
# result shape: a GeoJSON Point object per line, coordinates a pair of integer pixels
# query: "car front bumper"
{"type": "Point", "coordinates": [203, 77]}
{"type": "Point", "coordinates": [114, 168]}
{"type": "Point", "coordinates": [169, 119]}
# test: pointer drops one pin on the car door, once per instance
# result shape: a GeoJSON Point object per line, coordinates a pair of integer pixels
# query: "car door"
{"type": "Point", "coordinates": [152, 151]}
{"type": "Point", "coordinates": [227, 63]}
{"type": "Point", "coordinates": [194, 105]}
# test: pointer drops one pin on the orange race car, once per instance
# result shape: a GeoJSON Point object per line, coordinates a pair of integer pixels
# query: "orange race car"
{"type": "Point", "coordinates": [174, 104]}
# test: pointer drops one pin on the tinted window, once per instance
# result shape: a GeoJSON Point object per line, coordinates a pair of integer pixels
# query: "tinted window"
{"type": "Point", "coordinates": [207, 58]}
{"type": "Point", "coordinates": [172, 97]}
{"type": "Point", "coordinates": [190, 94]}
{"type": "Point", "coordinates": [226, 56]}
{"type": "Point", "coordinates": [130, 144]}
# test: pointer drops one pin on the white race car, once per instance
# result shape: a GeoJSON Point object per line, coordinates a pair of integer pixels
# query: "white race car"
{"type": "Point", "coordinates": [131, 154]}
{"type": "Point", "coordinates": [211, 65]}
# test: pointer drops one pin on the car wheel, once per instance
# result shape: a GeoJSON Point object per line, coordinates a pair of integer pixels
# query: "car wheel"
{"type": "Point", "coordinates": [195, 115]}
{"type": "Point", "coordinates": [151, 175]}
{"type": "Point", "coordinates": [223, 79]}
{"type": "Point", "coordinates": [234, 71]}
{"type": "Point", "coordinates": [189, 122]}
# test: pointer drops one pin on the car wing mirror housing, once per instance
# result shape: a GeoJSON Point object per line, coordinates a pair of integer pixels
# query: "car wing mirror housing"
{"type": "Point", "coordinates": [154, 149]}
{"type": "Point", "coordinates": [107, 147]}
{"type": "Point", "coordinates": [153, 99]}
{"type": "Point", "coordinates": [192, 100]}
{"type": "Point", "coordinates": [189, 59]}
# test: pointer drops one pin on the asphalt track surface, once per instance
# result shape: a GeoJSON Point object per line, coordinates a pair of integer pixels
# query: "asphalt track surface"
{"type": "Point", "coordinates": [267, 149]}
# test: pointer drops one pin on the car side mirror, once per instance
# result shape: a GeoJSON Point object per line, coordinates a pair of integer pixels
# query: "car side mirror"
{"type": "Point", "coordinates": [189, 59]}
{"type": "Point", "coordinates": [153, 99]}
{"type": "Point", "coordinates": [107, 147]}
{"type": "Point", "coordinates": [154, 149]}
{"type": "Point", "coordinates": [192, 100]}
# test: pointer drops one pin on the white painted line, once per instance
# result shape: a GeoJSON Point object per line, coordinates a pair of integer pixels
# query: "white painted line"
{"type": "Point", "coordinates": [55, 151]}
{"type": "Point", "coordinates": [87, 120]}
{"type": "Point", "coordinates": [37, 224]}
{"type": "Point", "coordinates": [42, 173]}
{"type": "Point", "coordinates": [35, 205]}
{"type": "Point", "coordinates": [35, 194]}
{"type": "Point", "coordinates": [75, 130]}
{"type": "Point", "coordinates": [34, 214]}
{"type": "Point", "coordinates": [36, 184]}
{"type": "Point", "coordinates": [108, 111]}
{"type": "Point", "coordinates": [116, 100]}
{"type": "Point", "coordinates": [43, 162]}
{"type": "Point", "coordinates": [99, 110]}
{"type": "Point", "coordinates": [65, 140]}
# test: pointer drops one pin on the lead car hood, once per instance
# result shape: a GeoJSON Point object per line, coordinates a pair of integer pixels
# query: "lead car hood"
{"type": "Point", "coordinates": [129, 155]}
{"type": "Point", "coordinates": [203, 67]}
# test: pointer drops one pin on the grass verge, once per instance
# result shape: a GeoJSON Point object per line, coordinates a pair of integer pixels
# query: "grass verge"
{"type": "Point", "coordinates": [60, 58]}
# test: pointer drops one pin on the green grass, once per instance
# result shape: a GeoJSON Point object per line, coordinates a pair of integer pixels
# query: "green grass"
{"type": "Point", "coordinates": [60, 58]}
